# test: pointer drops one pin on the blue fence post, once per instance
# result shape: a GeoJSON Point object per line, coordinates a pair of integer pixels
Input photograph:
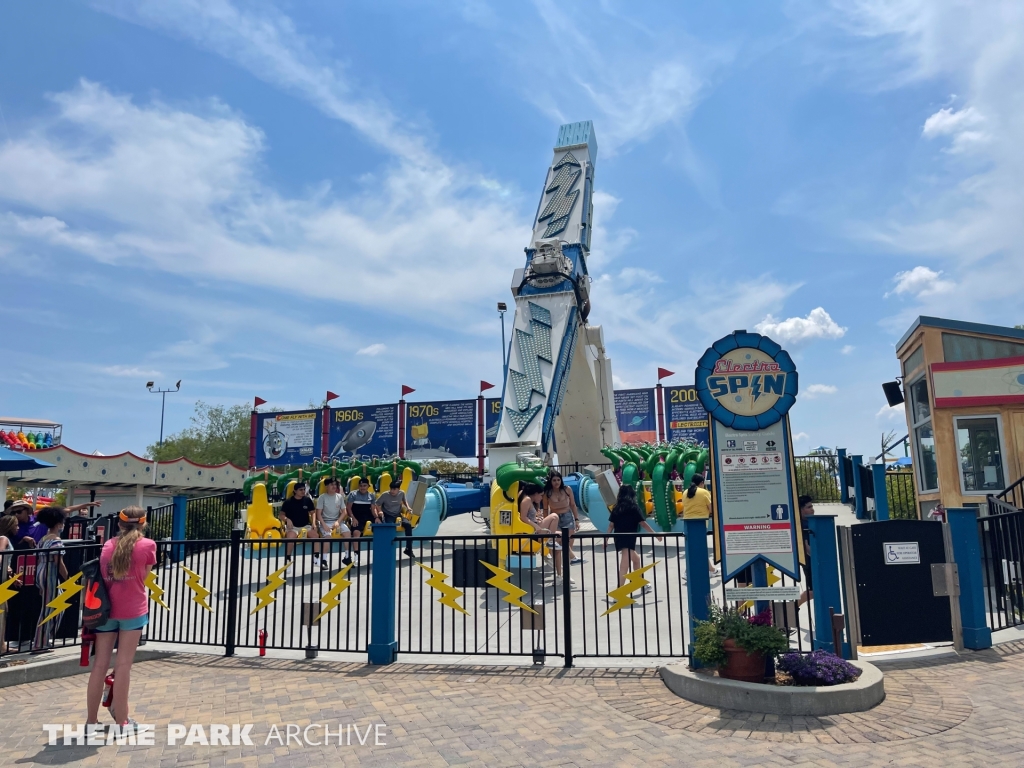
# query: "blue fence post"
{"type": "Point", "coordinates": [844, 493]}
{"type": "Point", "coordinates": [383, 648]}
{"type": "Point", "coordinates": [881, 493]}
{"type": "Point", "coordinates": [825, 576]}
{"type": "Point", "coordinates": [698, 580]}
{"type": "Point", "coordinates": [178, 531]}
{"type": "Point", "coordinates": [963, 529]}
{"type": "Point", "coordinates": [860, 502]}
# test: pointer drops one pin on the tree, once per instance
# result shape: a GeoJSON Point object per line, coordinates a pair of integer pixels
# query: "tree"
{"type": "Point", "coordinates": [218, 433]}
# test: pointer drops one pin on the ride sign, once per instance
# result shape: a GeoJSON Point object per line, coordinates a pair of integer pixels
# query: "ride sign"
{"type": "Point", "coordinates": [747, 383]}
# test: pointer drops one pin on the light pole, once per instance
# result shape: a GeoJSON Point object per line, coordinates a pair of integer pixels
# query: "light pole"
{"type": "Point", "coordinates": [502, 309]}
{"type": "Point", "coordinates": [163, 401]}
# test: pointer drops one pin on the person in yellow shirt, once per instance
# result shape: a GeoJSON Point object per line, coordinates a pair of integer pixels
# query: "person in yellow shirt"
{"type": "Point", "coordinates": [697, 505]}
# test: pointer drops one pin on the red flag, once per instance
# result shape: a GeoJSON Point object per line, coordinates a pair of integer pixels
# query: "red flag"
{"type": "Point", "coordinates": [331, 396]}
{"type": "Point", "coordinates": [257, 402]}
{"type": "Point", "coordinates": [664, 373]}
{"type": "Point", "coordinates": [407, 390]}
{"type": "Point", "coordinates": [485, 386]}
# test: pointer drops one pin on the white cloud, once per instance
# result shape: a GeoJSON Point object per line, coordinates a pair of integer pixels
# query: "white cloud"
{"type": "Point", "coordinates": [373, 350]}
{"type": "Point", "coordinates": [847, 349]}
{"type": "Point", "coordinates": [816, 390]}
{"type": "Point", "coordinates": [964, 208]}
{"type": "Point", "coordinates": [795, 330]}
{"type": "Point", "coordinates": [799, 437]}
{"type": "Point", "coordinates": [130, 372]}
{"type": "Point", "coordinates": [961, 125]}
{"type": "Point", "coordinates": [920, 281]}
{"type": "Point", "coordinates": [153, 186]}
{"type": "Point", "coordinates": [891, 413]}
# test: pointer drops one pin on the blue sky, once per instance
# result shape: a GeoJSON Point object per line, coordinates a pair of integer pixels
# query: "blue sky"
{"type": "Point", "coordinates": [277, 199]}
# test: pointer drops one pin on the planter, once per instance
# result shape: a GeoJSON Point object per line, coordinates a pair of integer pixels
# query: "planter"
{"type": "Point", "coordinates": [740, 665]}
{"type": "Point", "coordinates": [701, 687]}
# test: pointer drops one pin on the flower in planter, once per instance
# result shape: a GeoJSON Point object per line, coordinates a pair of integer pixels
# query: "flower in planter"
{"type": "Point", "coordinates": [818, 668]}
{"type": "Point", "coordinates": [755, 635]}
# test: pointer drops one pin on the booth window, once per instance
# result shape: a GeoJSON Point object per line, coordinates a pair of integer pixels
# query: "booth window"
{"type": "Point", "coordinates": [914, 361]}
{"type": "Point", "coordinates": [981, 457]}
{"type": "Point", "coordinates": [924, 436]}
{"type": "Point", "coordinates": [957, 348]}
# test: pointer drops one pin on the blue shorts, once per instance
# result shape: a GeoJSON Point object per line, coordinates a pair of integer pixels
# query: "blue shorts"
{"type": "Point", "coordinates": [116, 625]}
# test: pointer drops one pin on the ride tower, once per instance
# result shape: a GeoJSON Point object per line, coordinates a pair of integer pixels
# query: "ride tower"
{"type": "Point", "coordinates": [558, 388]}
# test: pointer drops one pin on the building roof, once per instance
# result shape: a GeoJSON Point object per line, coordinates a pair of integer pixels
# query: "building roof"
{"type": "Point", "coordinates": [960, 325]}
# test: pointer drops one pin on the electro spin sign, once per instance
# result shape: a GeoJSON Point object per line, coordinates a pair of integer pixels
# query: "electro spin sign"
{"type": "Point", "coordinates": [748, 383]}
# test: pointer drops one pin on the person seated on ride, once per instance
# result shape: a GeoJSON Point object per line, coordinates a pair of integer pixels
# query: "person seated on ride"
{"type": "Point", "coordinates": [529, 510]}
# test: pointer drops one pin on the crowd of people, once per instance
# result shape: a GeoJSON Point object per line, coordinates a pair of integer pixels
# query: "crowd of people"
{"type": "Point", "coordinates": [335, 515]}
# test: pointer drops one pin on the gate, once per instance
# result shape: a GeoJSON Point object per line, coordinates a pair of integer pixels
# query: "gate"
{"type": "Point", "coordinates": [896, 596]}
{"type": "Point", "coordinates": [1002, 560]}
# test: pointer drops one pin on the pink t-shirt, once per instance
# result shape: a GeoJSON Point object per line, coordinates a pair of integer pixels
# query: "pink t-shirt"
{"type": "Point", "coordinates": [128, 598]}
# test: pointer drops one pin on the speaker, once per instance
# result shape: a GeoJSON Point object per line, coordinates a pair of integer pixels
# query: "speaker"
{"type": "Point", "coordinates": [893, 393]}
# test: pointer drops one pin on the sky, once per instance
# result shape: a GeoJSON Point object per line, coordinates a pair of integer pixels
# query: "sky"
{"type": "Point", "coordinates": [275, 199]}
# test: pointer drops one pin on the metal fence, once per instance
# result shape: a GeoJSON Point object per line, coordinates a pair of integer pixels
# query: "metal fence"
{"type": "Point", "coordinates": [160, 522]}
{"type": "Point", "coordinates": [224, 593]}
{"type": "Point", "coordinates": [817, 477]}
{"type": "Point", "coordinates": [1002, 557]}
{"type": "Point", "coordinates": [796, 621]}
{"type": "Point", "coordinates": [1014, 494]}
{"type": "Point", "coordinates": [899, 490]}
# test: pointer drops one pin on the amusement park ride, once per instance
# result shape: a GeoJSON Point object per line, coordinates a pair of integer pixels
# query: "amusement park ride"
{"type": "Point", "coordinates": [558, 390]}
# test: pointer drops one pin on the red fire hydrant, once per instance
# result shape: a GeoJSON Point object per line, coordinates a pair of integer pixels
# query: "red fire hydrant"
{"type": "Point", "coordinates": [263, 642]}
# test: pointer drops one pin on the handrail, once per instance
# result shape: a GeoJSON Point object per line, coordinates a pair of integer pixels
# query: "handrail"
{"type": "Point", "coordinates": [997, 506]}
{"type": "Point", "coordinates": [1012, 492]}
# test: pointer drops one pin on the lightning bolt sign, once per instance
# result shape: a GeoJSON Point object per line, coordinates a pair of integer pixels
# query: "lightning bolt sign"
{"type": "Point", "coordinates": [201, 592]}
{"type": "Point", "coordinates": [274, 582]}
{"type": "Point", "coordinates": [500, 581]}
{"type": "Point", "coordinates": [331, 597]}
{"type": "Point", "coordinates": [156, 592]}
{"type": "Point", "coordinates": [563, 194]}
{"type": "Point", "coordinates": [6, 593]}
{"type": "Point", "coordinates": [755, 387]}
{"type": "Point", "coordinates": [448, 592]}
{"type": "Point", "coordinates": [621, 595]}
{"type": "Point", "coordinates": [60, 603]}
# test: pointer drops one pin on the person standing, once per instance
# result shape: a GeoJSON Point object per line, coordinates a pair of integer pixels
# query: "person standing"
{"type": "Point", "coordinates": [625, 521]}
{"type": "Point", "coordinates": [363, 509]}
{"type": "Point", "coordinates": [50, 571]}
{"type": "Point", "coordinates": [125, 561]}
{"type": "Point", "coordinates": [391, 505]}
{"type": "Point", "coordinates": [330, 507]}
{"type": "Point", "coordinates": [558, 499]}
{"type": "Point", "coordinates": [8, 530]}
{"type": "Point", "coordinates": [806, 504]}
{"type": "Point", "coordinates": [296, 511]}
{"type": "Point", "coordinates": [697, 504]}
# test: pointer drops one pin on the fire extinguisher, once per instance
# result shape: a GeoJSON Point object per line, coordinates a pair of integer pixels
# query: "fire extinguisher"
{"type": "Point", "coordinates": [263, 642]}
{"type": "Point", "coordinates": [88, 638]}
{"type": "Point", "coordinates": [108, 690]}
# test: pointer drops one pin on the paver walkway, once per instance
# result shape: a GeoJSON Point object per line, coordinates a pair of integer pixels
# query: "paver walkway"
{"type": "Point", "coordinates": [940, 711]}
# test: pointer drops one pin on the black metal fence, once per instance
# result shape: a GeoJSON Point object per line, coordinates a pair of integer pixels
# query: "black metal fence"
{"type": "Point", "coordinates": [160, 522]}
{"type": "Point", "coordinates": [1002, 557]}
{"type": "Point", "coordinates": [817, 477]}
{"type": "Point", "coordinates": [226, 593]}
{"type": "Point", "coordinates": [570, 469]}
{"type": "Point", "coordinates": [899, 490]}
{"type": "Point", "coordinates": [1014, 494]}
{"type": "Point", "coordinates": [793, 619]}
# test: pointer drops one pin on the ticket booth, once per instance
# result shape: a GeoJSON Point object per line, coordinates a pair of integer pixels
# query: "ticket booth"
{"type": "Point", "coordinates": [963, 385]}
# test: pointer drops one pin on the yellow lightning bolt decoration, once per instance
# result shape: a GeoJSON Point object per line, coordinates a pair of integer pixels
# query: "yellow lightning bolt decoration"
{"type": "Point", "coordinates": [621, 595]}
{"type": "Point", "coordinates": [201, 592]}
{"type": "Point", "coordinates": [6, 593]}
{"type": "Point", "coordinates": [448, 592]}
{"type": "Point", "coordinates": [332, 597]}
{"type": "Point", "coordinates": [156, 592]}
{"type": "Point", "coordinates": [265, 594]}
{"type": "Point", "coordinates": [500, 581]}
{"type": "Point", "coordinates": [68, 589]}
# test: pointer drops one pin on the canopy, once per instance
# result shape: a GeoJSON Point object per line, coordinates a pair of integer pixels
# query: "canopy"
{"type": "Point", "coordinates": [12, 461]}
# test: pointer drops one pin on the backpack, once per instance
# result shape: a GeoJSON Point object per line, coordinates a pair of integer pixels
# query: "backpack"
{"type": "Point", "coordinates": [96, 600]}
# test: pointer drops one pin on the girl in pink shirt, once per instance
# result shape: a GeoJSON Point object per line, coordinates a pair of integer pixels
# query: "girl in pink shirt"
{"type": "Point", "coordinates": [124, 564]}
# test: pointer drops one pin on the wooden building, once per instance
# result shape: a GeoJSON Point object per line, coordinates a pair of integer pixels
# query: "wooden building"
{"type": "Point", "coordinates": [964, 390]}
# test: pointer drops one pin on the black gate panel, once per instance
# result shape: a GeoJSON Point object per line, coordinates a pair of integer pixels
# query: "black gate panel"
{"type": "Point", "coordinates": [897, 605]}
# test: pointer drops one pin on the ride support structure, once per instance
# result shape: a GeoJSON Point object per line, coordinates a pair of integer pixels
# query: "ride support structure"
{"type": "Point", "coordinates": [558, 390]}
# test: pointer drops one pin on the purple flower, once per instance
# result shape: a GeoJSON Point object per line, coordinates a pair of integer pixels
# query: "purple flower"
{"type": "Point", "coordinates": [762, 619]}
{"type": "Point", "coordinates": [818, 668]}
